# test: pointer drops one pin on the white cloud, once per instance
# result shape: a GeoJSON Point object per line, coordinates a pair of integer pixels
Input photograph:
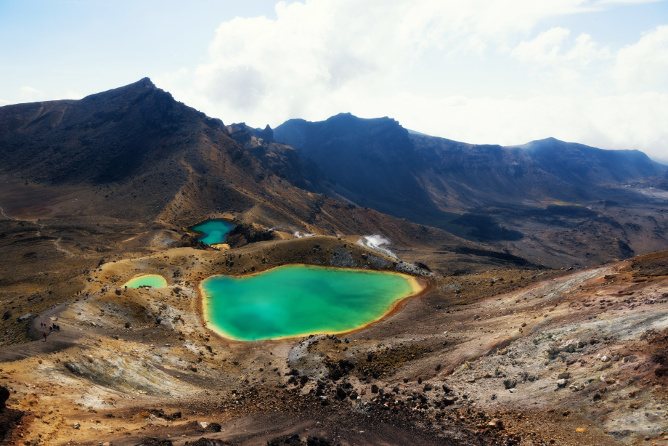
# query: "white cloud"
{"type": "Point", "coordinates": [631, 121]}
{"type": "Point", "coordinates": [553, 54]}
{"type": "Point", "coordinates": [73, 94]}
{"type": "Point", "coordinates": [586, 50]}
{"type": "Point", "coordinates": [644, 65]}
{"type": "Point", "coordinates": [318, 51]}
{"type": "Point", "coordinates": [29, 90]}
{"type": "Point", "coordinates": [28, 93]}
{"type": "Point", "coordinates": [310, 51]}
{"type": "Point", "coordinates": [544, 49]}
{"type": "Point", "coordinates": [319, 58]}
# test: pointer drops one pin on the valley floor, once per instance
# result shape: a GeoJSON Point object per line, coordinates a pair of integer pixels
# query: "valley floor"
{"type": "Point", "coordinates": [577, 359]}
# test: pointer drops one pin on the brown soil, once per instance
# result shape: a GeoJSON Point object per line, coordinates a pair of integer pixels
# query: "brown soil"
{"type": "Point", "coordinates": [500, 356]}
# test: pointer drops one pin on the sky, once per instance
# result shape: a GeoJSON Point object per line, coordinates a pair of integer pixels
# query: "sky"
{"type": "Point", "coordinates": [479, 71]}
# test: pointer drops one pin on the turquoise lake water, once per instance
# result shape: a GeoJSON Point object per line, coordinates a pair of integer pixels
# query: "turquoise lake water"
{"type": "Point", "coordinates": [299, 300]}
{"type": "Point", "coordinates": [215, 231]}
{"type": "Point", "coordinates": [154, 280]}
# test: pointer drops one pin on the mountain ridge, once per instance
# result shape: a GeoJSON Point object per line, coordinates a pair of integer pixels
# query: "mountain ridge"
{"type": "Point", "coordinates": [484, 192]}
{"type": "Point", "coordinates": [530, 165]}
{"type": "Point", "coordinates": [135, 153]}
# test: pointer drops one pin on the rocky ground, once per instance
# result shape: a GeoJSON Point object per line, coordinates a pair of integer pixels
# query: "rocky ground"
{"type": "Point", "coordinates": [492, 355]}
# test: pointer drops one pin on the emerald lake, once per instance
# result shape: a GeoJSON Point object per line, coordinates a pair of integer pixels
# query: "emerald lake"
{"type": "Point", "coordinates": [152, 280]}
{"type": "Point", "coordinates": [214, 231]}
{"type": "Point", "coordinates": [299, 300]}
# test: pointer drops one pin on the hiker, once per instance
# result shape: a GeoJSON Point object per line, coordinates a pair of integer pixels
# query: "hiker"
{"type": "Point", "coordinates": [45, 335]}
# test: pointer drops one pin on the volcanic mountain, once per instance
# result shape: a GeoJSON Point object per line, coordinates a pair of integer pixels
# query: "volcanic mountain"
{"type": "Point", "coordinates": [539, 198]}
{"type": "Point", "coordinates": [376, 161]}
{"type": "Point", "coordinates": [136, 154]}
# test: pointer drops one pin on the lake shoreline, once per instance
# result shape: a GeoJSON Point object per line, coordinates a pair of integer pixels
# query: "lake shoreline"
{"type": "Point", "coordinates": [146, 280]}
{"type": "Point", "coordinates": [418, 286]}
{"type": "Point", "coordinates": [213, 231]}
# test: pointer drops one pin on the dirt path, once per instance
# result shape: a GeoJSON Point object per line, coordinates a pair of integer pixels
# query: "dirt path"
{"type": "Point", "coordinates": [56, 244]}
{"type": "Point", "coordinates": [4, 214]}
{"type": "Point", "coordinates": [134, 237]}
{"type": "Point", "coordinates": [56, 340]}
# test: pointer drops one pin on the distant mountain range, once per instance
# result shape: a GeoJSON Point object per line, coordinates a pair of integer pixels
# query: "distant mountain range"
{"type": "Point", "coordinates": [378, 163]}
{"type": "Point", "coordinates": [543, 197]}
{"type": "Point", "coordinates": [136, 153]}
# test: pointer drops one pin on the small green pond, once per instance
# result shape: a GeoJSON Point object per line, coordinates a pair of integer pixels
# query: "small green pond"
{"type": "Point", "coordinates": [214, 231]}
{"type": "Point", "coordinates": [299, 300]}
{"type": "Point", "coordinates": [152, 280]}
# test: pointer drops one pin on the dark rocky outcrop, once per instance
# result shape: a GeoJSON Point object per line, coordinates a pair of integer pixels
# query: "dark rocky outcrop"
{"type": "Point", "coordinates": [209, 442]}
{"type": "Point", "coordinates": [4, 396]}
{"type": "Point", "coordinates": [9, 418]}
{"type": "Point", "coordinates": [154, 441]}
{"type": "Point", "coordinates": [281, 159]}
{"type": "Point", "coordinates": [249, 233]}
{"type": "Point", "coordinates": [295, 440]}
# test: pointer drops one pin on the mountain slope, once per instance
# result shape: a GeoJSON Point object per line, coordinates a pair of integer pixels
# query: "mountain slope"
{"type": "Point", "coordinates": [134, 148]}
{"type": "Point", "coordinates": [526, 198]}
{"type": "Point", "coordinates": [361, 158]}
{"type": "Point", "coordinates": [399, 168]}
{"type": "Point", "coordinates": [136, 154]}
{"type": "Point", "coordinates": [583, 165]}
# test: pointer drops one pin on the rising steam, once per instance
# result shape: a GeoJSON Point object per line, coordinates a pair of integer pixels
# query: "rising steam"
{"type": "Point", "coordinates": [376, 242]}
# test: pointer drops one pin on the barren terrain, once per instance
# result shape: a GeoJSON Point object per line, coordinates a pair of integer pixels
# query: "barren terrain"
{"type": "Point", "coordinates": [538, 324]}
{"type": "Point", "coordinates": [568, 358]}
